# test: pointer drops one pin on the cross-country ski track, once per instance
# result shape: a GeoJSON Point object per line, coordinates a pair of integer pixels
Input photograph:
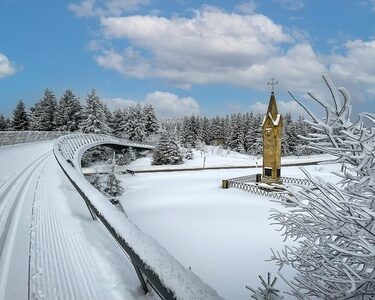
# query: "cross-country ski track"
{"type": "Point", "coordinates": [50, 248]}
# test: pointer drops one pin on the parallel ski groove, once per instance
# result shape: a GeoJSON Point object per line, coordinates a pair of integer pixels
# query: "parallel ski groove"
{"type": "Point", "coordinates": [62, 266]}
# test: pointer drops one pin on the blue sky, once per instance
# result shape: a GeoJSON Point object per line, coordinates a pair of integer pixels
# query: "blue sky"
{"type": "Point", "coordinates": [211, 57]}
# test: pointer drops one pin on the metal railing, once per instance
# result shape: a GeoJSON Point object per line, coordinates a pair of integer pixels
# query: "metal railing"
{"type": "Point", "coordinates": [255, 189]}
{"type": "Point", "coordinates": [21, 137]}
{"type": "Point", "coordinates": [246, 183]}
{"type": "Point", "coordinates": [292, 180]}
{"type": "Point", "coordinates": [154, 266]}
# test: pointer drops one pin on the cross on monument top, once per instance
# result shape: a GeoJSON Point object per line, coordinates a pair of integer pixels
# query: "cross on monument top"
{"type": "Point", "coordinates": [272, 83]}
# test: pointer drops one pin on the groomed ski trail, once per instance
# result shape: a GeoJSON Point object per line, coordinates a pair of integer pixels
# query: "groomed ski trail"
{"type": "Point", "coordinates": [15, 212]}
{"type": "Point", "coordinates": [71, 256]}
{"type": "Point", "coordinates": [50, 248]}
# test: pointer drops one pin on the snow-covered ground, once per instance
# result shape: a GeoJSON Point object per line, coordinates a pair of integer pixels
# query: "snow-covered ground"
{"type": "Point", "coordinates": [49, 246]}
{"type": "Point", "coordinates": [223, 235]}
{"type": "Point", "coordinates": [15, 158]}
{"type": "Point", "coordinates": [213, 157]}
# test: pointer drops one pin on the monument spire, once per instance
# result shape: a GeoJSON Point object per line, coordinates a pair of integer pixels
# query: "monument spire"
{"type": "Point", "coordinates": [272, 130]}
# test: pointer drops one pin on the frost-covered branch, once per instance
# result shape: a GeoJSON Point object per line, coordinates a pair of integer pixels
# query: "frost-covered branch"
{"type": "Point", "coordinates": [334, 226]}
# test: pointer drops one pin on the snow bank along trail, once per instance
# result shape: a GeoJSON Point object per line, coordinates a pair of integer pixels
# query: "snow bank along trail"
{"type": "Point", "coordinates": [15, 211]}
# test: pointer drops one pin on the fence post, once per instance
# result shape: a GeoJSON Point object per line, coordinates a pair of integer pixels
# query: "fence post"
{"type": "Point", "coordinates": [224, 184]}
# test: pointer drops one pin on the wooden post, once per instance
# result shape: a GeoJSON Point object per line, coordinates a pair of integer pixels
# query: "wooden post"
{"type": "Point", "coordinates": [224, 184]}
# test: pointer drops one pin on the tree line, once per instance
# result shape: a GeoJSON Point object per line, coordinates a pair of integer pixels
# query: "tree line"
{"type": "Point", "coordinates": [239, 132]}
{"type": "Point", "coordinates": [68, 114]}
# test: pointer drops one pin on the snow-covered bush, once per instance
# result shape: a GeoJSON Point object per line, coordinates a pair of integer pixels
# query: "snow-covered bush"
{"type": "Point", "coordinates": [113, 186]}
{"type": "Point", "coordinates": [95, 181]}
{"type": "Point", "coordinates": [167, 151]}
{"type": "Point", "coordinates": [126, 157]}
{"type": "Point", "coordinates": [334, 226]}
{"type": "Point", "coordinates": [99, 153]}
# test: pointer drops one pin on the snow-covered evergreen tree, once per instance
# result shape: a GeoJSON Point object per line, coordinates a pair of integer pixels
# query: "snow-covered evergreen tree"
{"type": "Point", "coordinates": [151, 121]}
{"type": "Point", "coordinates": [20, 119]}
{"type": "Point", "coordinates": [254, 138]}
{"type": "Point", "coordinates": [69, 112]}
{"type": "Point", "coordinates": [43, 114]}
{"type": "Point", "coordinates": [95, 181]}
{"type": "Point", "coordinates": [3, 123]}
{"type": "Point", "coordinates": [236, 138]}
{"type": "Point", "coordinates": [285, 147]}
{"type": "Point", "coordinates": [335, 226]}
{"type": "Point", "coordinates": [205, 130]}
{"type": "Point", "coordinates": [190, 131]}
{"type": "Point", "coordinates": [134, 123]}
{"type": "Point", "coordinates": [113, 186]}
{"type": "Point", "coordinates": [167, 151]}
{"type": "Point", "coordinates": [116, 124]}
{"type": "Point", "coordinates": [94, 120]}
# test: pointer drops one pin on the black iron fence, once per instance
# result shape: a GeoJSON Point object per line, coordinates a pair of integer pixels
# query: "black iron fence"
{"type": "Point", "coordinates": [252, 184]}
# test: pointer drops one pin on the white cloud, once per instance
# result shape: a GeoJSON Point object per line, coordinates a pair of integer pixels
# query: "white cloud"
{"type": "Point", "coordinates": [116, 103]}
{"type": "Point", "coordinates": [211, 47]}
{"type": "Point", "coordinates": [283, 106]}
{"type": "Point", "coordinates": [291, 4]}
{"type": "Point", "coordinates": [90, 8]}
{"type": "Point", "coordinates": [7, 68]}
{"type": "Point", "coordinates": [165, 104]}
{"type": "Point", "coordinates": [129, 63]}
{"type": "Point", "coordinates": [356, 69]}
{"type": "Point", "coordinates": [246, 7]}
{"type": "Point", "coordinates": [83, 9]}
{"type": "Point", "coordinates": [218, 47]}
{"type": "Point", "coordinates": [358, 65]}
{"type": "Point", "coordinates": [170, 105]}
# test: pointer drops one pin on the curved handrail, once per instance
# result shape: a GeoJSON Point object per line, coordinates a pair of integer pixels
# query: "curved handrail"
{"type": "Point", "coordinates": [152, 262]}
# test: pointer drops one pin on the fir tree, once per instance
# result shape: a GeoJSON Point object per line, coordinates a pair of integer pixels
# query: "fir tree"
{"type": "Point", "coordinates": [95, 181]}
{"type": "Point", "coordinates": [236, 138]}
{"type": "Point", "coordinates": [94, 116]}
{"type": "Point", "coordinates": [131, 153]}
{"type": "Point", "coordinates": [191, 130]}
{"type": "Point", "coordinates": [167, 152]}
{"type": "Point", "coordinates": [69, 112]}
{"type": "Point", "coordinates": [113, 184]}
{"type": "Point", "coordinates": [117, 122]}
{"type": "Point", "coordinates": [43, 114]}
{"type": "Point", "coordinates": [134, 123]}
{"type": "Point", "coordinates": [3, 123]}
{"type": "Point", "coordinates": [20, 119]}
{"type": "Point", "coordinates": [151, 121]}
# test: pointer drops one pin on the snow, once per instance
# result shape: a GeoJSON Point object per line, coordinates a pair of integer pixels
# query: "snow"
{"type": "Point", "coordinates": [184, 283]}
{"type": "Point", "coordinates": [70, 255]}
{"type": "Point", "coordinates": [214, 157]}
{"type": "Point", "coordinates": [274, 122]}
{"type": "Point", "coordinates": [14, 158]}
{"type": "Point", "coordinates": [224, 235]}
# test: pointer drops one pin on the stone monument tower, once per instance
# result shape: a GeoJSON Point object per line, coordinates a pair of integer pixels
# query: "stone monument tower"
{"type": "Point", "coordinates": [272, 127]}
